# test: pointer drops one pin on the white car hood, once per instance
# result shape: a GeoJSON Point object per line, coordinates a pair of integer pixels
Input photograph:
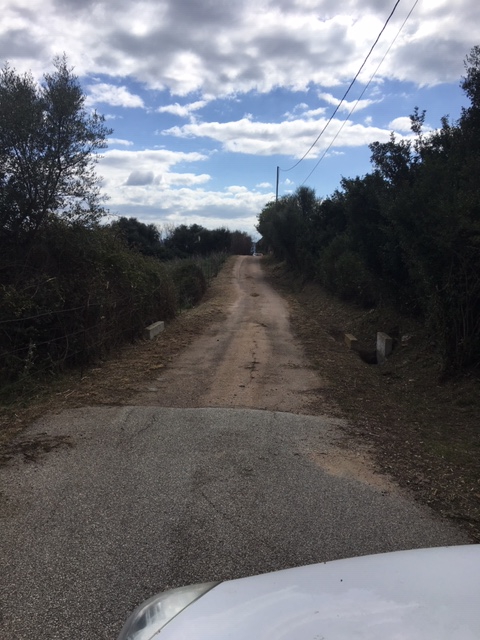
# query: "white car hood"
{"type": "Point", "coordinates": [428, 594]}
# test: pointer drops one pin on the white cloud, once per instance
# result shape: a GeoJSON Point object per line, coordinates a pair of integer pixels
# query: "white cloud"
{"type": "Point", "coordinates": [182, 110]}
{"type": "Point", "coordinates": [163, 158]}
{"type": "Point", "coordinates": [120, 142]}
{"type": "Point", "coordinates": [302, 110]}
{"type": "Point", "coordinates": [236, 189]}
{"type": "Point", "coordinates": [301, 107]}
{"type": "Point", "coordinates": [403, 124]}
{"type": "Point", "coordinates": [264, 185]}
{"type": "Point", "coordinates": [291, 138]}
{"type": "Point", "coordinates": [251, 45]}
{"type": "Point", "coordinates": [104, 93]}
{"type": "Point", "coordinates": [184, 179]}
{"type": "Point", "coordinates": [313, 113]}
{"type": "Point", "coordinates": [123, 170]}
{"type": "Point", "coordinates": [140, 178]}
{"type": "Point", "coordinates": [346, 105]}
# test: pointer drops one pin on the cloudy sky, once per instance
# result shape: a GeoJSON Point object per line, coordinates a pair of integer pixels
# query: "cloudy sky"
{"type": "Point", "coordinates": [208, 97]}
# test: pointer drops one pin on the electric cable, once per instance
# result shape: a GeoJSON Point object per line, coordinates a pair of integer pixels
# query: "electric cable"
{"type": "Point", "coordinates": [346, 92]}
{"type": "Point", "coordinates": [362, 93]}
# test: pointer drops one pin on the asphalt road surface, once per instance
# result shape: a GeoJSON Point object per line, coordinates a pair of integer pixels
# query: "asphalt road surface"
{"type": "Point", "coordinates": [138, 499]}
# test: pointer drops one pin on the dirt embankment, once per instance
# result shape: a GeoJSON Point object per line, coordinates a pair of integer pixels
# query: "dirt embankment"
{"type": "Point", "coordinates": [248, 346]}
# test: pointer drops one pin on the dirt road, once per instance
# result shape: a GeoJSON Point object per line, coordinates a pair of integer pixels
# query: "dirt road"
{"type": "Point", "coordinates": [250, 360]}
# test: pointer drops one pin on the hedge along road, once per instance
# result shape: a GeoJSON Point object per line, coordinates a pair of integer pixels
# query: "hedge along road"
{"type": "Point", "coordinates": [232, 463]}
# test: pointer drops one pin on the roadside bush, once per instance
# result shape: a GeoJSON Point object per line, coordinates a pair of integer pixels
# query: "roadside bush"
{"type": "Point", "coordinates": [326, 272]}
{"type": "Point", "coordinates": [343, 272]}
{"type": "Point", "coordinates": [78, 293]}
{"type": "Point", "coordinates": [407, 234]}
{"type": "Point", "coordinates": [353, 280]}
{"type": "Point", "coordinates": [211, 265]}
{"type": "Point", "coordinates": [189, 281]}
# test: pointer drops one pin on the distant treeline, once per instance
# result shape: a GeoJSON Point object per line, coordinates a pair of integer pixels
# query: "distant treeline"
{"type": "Point", "coordinates": [180, 241]}
{"type": "Point", "coordinates": [407, 234]}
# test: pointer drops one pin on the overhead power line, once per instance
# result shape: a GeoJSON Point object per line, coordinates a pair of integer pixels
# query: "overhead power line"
{"type": "Point", "coordinates": [346, 92]}
{"type": "Point", "coordinates": [363, 92]}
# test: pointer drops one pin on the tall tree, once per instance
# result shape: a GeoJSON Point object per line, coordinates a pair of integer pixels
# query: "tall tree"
{"type": "Point", "coordinates": [143, 237]}
{"type": "Point", "coordinates": [48, 141]}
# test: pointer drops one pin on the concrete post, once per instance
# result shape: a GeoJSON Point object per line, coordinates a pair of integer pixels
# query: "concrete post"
{"type": "Point", "coordinates": [153, 330]}
{"type": "Point", "coordinates": [384, 346]}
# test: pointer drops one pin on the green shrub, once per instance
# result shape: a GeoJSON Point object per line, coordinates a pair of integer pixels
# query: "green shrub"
{"type": "Point", "coordinates": [189, 281]}
{"type": "Point", "coordinates": [211, 265]}
{"type": "Point", "coordinates": [78, 293]}
{"type": "Point", "coordinates": [344, 273]}
{"type": "Point", "coordinates": [326, 271]}
{"type": "Point", "coordinates": [353, 280]}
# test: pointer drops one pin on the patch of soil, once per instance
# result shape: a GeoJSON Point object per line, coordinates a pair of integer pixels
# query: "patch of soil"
{"type": "Point", "coordinates": [31, 449]}
{"type": "Point", "coordinates": [353, 463]}
{"type": "Point", "coordinates": [425, 432]}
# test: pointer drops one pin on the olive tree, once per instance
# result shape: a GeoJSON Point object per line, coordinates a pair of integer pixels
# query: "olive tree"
{"type": "Point", "coordinates": [48, 144]}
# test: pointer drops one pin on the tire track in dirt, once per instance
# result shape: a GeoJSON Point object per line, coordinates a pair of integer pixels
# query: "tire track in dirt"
{"type": "Point", "coordinates": [251, 360]}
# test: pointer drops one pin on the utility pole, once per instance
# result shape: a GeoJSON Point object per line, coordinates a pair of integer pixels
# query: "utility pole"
{"type": "Point", "coordinates": [276, 189]}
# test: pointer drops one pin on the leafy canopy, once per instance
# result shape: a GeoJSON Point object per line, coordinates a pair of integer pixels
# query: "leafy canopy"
{"type": "Point", "coordinates": [48, 141]}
